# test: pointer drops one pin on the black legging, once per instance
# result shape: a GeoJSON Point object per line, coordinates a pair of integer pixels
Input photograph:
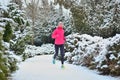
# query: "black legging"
{"type": "Point", "coordinates": [61, 52]}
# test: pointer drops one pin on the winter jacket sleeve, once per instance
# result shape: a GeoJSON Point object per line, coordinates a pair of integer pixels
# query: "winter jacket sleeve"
{"type": "Point", "coordinates": [54, 34]}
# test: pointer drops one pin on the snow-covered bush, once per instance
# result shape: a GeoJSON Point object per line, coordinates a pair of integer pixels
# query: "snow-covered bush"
{"type": "Point", "coordinates": [13, 34]}
{"type": "Point", "coordinates": [7, 33]}
{"type": "Point", "coordinates": [112, 58]}
{"type": "Point", "coordinates": [44, 49]}
{"type": "Point", "coordinates": [79, 19]}
{"type": "Point", "coordinates": [103, 17]}
{"type": "Point", "coordinates": [19, 27]}
{"type": "Point", "coordinates": [94, 52]}
{"type": "Point", "coordinates": [15, 27]}
{"type": "Point", "coordinates": [7, 62]}
{"type": "Point", "coordinates": [3, 68]}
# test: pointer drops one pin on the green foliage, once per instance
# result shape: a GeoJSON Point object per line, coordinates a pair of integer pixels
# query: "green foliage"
{"type": "Point", "coordinates": [7, 65]}
{"type": "Point", "coordinates": [4, 70]}
{"type": "Point", "coordinates": [27, 23]}
{"type": "Point", "coordinates": [79, 16]}
{"type": "Point", "coordinates": [19, 42]}
{"type": "Point", "coordinates": [7, 33]}
{"type": "Point", "coordinates": [2, 76]}
{"type": "Point", "coordinates": [0, 41]}
{"type": "Point", "coordinates": [25, 56]}
{"type": "Point", "coordinates": [11, 6]}
{"type": "Point", "coordinates": [14, 21]}
{"type": "Point", "coordinates": [18, 17]}
{"type": "Point", "coordinates": [78, 52]}
{"type": "Point", "coordinates": [18, 47]}
{"type": "Point", "coordinates": [103, 17]}
{"type": "Point", "coordinates": [5, 14]}
{"type": "Point", "coordinates": [12, 64]}
{"type": "Point", "coordinates": [19, 20]}
{"type": "Point", "coordinates": [112, 65]}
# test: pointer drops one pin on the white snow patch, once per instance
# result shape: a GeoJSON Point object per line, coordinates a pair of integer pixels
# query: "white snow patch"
{"type": "Point", "coordinates": [41, 68]}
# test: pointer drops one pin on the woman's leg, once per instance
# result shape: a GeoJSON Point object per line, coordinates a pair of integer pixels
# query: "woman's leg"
{"type": "Point", "coordinates": [56, 51]}
{"type": "Point", "coordinates": [62, 53]}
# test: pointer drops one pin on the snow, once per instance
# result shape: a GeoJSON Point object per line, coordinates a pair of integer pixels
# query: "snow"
{"type": "Point", "coordinates": [12, 55]}
{"type": "Point", "coordinates": [90, 44]}
{"type": "Point", "coordinates": [112, 57]}
{"type": "Point", "coordinates": [4, 7]}
{"type": "Point", "coordinates": [4, 2]}
{"type": "Point", "coordinates": [117, 1]}
{"type": "Point", "coordinates": [6, 19]}
{"type": "Point", "coordinates": [6, 45]}
{"type": "Point", "coordinates": [41, 68]}
{"type": "Point", "coordinates": [2, 24]}
{"type": "Point", "coordinates": [1, 29]}
{"type": "Point", "coordinates": [63, 11]}
{"type": "Point", "coordinates": [44, 49]}
{"type": "Point", "coordinates": [104, 66]}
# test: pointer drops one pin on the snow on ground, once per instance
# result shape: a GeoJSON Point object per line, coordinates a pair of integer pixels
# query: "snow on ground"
{"type": "Point", "coordinates": [41, 68]}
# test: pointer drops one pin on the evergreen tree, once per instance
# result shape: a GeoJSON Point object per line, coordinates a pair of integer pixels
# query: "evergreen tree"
{"type": "Point", "coordinates": [13, 34]}
{"type": "Point", "coordinates": [7, 33]}
{"type": "Point", "coordinates": [103, 17]}
{"type": "Point", "coordinates": [79, 16]}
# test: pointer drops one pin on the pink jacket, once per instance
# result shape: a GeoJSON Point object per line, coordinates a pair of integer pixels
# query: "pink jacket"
{"type": "Point", "coordinates": [58, 35]}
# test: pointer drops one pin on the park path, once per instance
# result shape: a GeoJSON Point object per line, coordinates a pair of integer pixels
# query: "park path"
{"type": "Point", "coordinates": [41, 68]}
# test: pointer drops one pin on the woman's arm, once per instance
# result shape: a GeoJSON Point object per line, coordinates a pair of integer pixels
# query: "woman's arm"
{"type": "Point", "coordinates": [54, 34]}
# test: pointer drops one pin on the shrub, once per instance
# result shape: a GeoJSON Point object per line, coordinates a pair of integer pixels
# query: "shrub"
{"type": "Point", "coordinates": [7, 33]}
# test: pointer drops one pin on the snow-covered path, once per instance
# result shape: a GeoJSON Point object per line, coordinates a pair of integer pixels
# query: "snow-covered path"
{"type": "Point", "coordinates": [41, 68]}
